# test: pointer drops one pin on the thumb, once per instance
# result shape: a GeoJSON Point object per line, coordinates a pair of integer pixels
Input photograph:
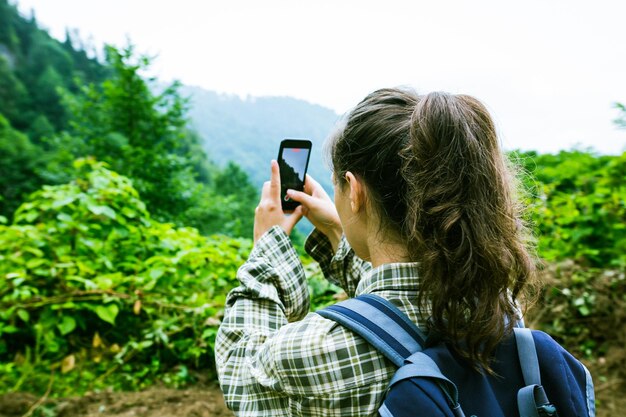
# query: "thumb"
{"type": "Point", "coordinates": [290, 221]}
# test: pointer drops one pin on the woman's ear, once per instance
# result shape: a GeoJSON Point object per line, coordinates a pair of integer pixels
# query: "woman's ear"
{"type": "Point", "coordinates": [357, 192]}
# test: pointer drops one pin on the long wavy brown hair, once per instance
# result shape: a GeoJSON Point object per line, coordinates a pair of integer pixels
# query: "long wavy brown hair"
{"type": "Point", "coordinates": [441, 185]}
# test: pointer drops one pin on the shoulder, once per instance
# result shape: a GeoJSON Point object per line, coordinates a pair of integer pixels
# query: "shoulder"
{"type": "Point", "coordinates": [316, 356]}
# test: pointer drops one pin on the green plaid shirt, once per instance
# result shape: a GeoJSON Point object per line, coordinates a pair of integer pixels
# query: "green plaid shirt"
{"type": "Point", "coordinates": [274, 358]}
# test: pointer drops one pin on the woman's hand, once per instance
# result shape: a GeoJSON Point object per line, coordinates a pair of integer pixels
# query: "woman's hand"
{"type": "Point", "coordinates": [269, 212]}
{"type": "Point", "coordinates": [319, 209]}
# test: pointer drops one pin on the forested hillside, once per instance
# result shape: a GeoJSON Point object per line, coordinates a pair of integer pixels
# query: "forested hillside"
{"type": "Point", "coordinates": [58, 104]}
{"type": "Point", "coordinates": [33, 66]}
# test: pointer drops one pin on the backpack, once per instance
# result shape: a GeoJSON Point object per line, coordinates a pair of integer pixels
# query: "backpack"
{"type": "Point", "coordinates": [534, 375]}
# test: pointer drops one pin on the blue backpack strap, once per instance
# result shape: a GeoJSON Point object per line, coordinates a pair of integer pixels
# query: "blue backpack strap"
{"type": "Point", "coordinates": [379, 322]}
{"type": "Point", "coordinates": [590, 394]}
{"type": "Point", "coordinates": [527, 356]}
{"type": "Point", "coordinates": [532, 397]}
{"type": "Point", "coordinates": [420, 365]}
{"type": "Point", "coordinates": [390, 331]}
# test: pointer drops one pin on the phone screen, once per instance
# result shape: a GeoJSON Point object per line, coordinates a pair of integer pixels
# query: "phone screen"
{"type": "Point", "coordinates": [293, 160]}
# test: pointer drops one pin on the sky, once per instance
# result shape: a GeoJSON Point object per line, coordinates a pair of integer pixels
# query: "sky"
{"type": "Point", "coordinates": [549, 71]}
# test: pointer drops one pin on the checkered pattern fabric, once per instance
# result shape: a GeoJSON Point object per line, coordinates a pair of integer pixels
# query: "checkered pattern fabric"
{"type": "Point", "coordinates": [274, 358]}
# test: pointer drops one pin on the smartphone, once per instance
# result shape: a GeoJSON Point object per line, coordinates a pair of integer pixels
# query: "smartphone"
{"type": "Point", "coordinates": [293, 161]}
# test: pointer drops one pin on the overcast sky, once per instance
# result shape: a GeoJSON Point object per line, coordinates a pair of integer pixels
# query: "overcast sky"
{"type": "Point", "coordinates": [549, 71]}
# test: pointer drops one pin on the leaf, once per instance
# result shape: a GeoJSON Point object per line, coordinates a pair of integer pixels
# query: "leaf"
{"type": "Point", "coordinates": [66, 305]}
{"type": "Point", "coordinates": [96, 342]}
{"type": "Point", "coordinates": [102, 211]}
{"type": "Point", "coordinates": [68, 364]}
{"type": "Point", "coordinates": [137, 307]}
{"type": "Point", "coordinates": [34, 263]}
{"type": "Point", "coordinates": [128, 212]}
{"type": "Point", "coordinates": [88, 284]}
{"type": "Point", "coordinates": [34, 251]}
{"type": "Point", "coordinates": [108, 313]}
{"type": "Point", "coordinates": [67, 325]}
{"type": "Point", "coordinates": [31, 216]}
{"type": "Point", "coordinates": [64, 202]}
{"type": "Point", "coordinates": [8, 329]}
{"type": "Point", "coordinates": [156, 273]}
{"type": "Point", "coordinates": [64, 217]}
{"type": "Point", "coordinates": [144, 344]}
{"type": "Point", "coordinates": [103, 282]}
{"type": "Point", "coordinates": [23, 314]}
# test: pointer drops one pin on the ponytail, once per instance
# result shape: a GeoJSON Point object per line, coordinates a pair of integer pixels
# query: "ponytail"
{"type": "Point", "coordinates": [463, 224]}
{"type": "Point", "coordinates": [441, 183]}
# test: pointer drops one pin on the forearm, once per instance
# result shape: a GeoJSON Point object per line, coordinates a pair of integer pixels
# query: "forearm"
{"type": "Point", "coordinates": [273, 292]}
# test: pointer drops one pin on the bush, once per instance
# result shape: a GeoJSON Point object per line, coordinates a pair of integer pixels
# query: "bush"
{"type": "Point", "coordinates": [578, 206]}
{"type": "Point", "coordinates": [93, 286]}
{"type": "Point", "coordinates": [584, 309]}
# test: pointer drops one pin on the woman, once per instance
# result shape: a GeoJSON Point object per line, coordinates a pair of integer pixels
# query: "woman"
{"type": "Point", "coordinates": [427, 206]}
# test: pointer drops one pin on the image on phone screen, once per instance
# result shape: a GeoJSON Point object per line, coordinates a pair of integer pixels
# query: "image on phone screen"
{"type": "Point", "coordinates": [293, 160]}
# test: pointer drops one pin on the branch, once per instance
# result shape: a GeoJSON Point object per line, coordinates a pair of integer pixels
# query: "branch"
{"type": "Point", "coordinates": [75, 296]}
{"type": "Point", "coordinates": [42, 400]}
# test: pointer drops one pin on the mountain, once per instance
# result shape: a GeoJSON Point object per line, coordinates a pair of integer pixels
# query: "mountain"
{"type": "Point", "coordinates": [248, 131]}
{"type": "Point", "coordinates": [33, 66]}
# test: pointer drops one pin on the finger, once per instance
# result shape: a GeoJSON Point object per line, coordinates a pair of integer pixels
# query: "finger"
{"type": "Point", "coordinates": [300, 197]}
{"type": "Point", "coordinates": [310, 184]}
{"type": "Point", "coordinates": [275, 181]}
{"type": "Point", "coordinates": [265, 191]}
{"type": "Point", "coordinates": [313, 187]}
{"type": "Point", "coordinates": [290, 222]}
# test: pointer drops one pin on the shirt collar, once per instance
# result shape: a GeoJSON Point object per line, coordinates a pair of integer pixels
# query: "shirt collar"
{"type": "Point", "coordinates": [394, 276]}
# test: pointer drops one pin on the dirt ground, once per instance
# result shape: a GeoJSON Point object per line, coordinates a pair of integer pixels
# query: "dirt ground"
{"type": "Point", "coordinates": [155, 402]}
{"type": "Point", "coordinates": [197, 402]}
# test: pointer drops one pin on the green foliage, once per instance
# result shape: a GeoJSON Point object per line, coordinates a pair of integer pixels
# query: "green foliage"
{"type": "Point", "coordinates": [143, 135]}
{"type": "Point", "coordinates": [93, 286]}
{"type": "Point", "coordinates": [71, 106]}
{"type": "Point", "coordinates": [46, 98]}
{"type": "Point", "coordinates": [578, 206]}
{"type": "Point", "coordinates": [241, 198]}
{"type": "Point", "coordinates": [13, 94]}
{"type": "Point", "coordinates": [33, 66]}
{"type": "Point", "coordinates": [97, 290]}
{"type": "Point", "coordinates": [19, 160]}
{"type": "Point", "coordinates": [121, 121]}
{"type": "Point", "coordinates": [584, 309]}
{"type": "Point", "coordinates": [139, 134]}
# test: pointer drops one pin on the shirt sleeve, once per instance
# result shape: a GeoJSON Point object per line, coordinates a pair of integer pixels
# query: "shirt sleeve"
{"type": "Point", "coordinates": [275, 360]}
{"type": "Point", "coordinates": [343, 267]}
{"type": "Point", "coordinates": [273, 292]}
